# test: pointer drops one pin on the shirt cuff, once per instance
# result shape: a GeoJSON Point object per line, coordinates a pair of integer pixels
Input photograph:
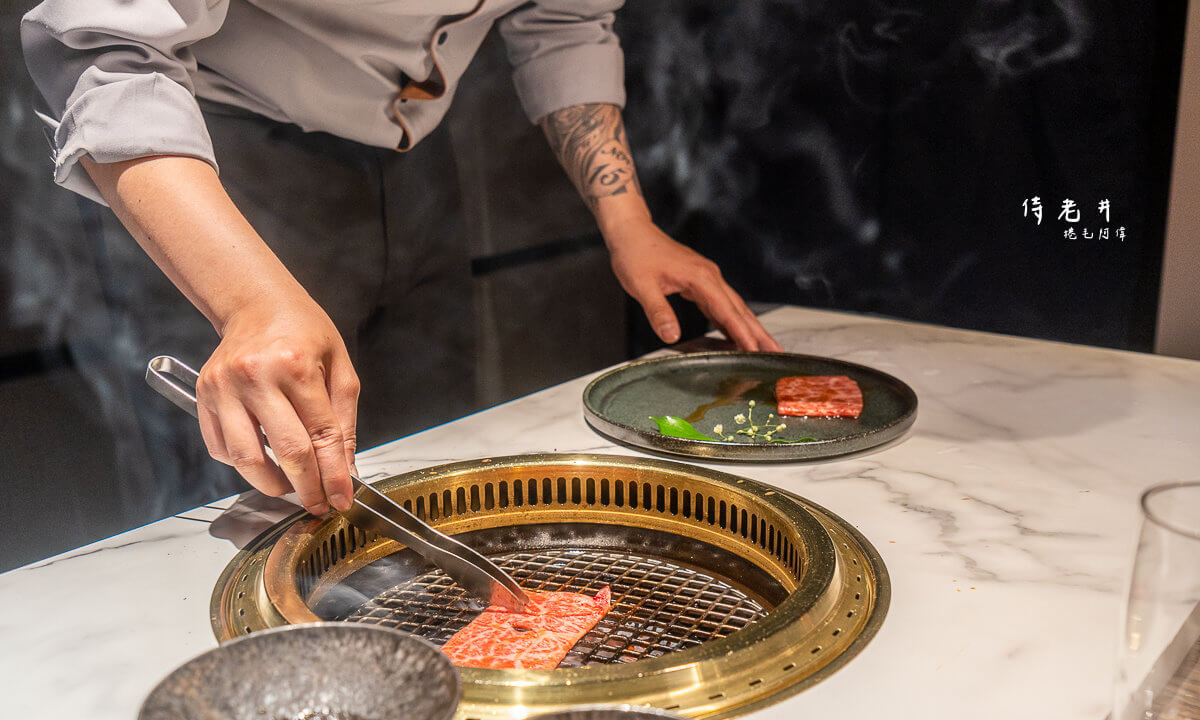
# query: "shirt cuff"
{"type": "Point", "coordinates": [131, 118]}
{"type": "Point", "coordinates": [575, 75]}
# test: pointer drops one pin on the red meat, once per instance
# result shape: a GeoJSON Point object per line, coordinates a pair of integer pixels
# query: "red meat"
{"type": "Point", "coordinates": [819, 396]}
{"type": "Point", "coordinates": [537, 639]}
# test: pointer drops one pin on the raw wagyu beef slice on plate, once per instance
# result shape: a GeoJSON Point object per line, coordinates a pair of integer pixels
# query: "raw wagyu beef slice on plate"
{"type": "Point", "coordinates": [818, 396]}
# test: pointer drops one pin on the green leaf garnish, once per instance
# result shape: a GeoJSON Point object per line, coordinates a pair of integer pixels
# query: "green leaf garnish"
{"type": "Point", "coordinates": [672, 426]}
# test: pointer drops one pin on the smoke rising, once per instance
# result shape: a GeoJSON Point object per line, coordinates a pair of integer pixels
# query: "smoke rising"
{"type": "Point", "coordinates": [1011, 38]}
{"type": "Point", "coordinates": [769, 118]}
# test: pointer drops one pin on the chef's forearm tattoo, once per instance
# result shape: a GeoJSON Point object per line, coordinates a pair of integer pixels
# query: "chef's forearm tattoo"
{"type": "Point", "coordinates": [590, 143]}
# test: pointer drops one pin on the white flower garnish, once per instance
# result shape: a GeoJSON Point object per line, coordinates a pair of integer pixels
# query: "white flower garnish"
{"type": "Point", "coordinates": [740, 419]}
{"type": "Point", "coordinates": [718, 429]}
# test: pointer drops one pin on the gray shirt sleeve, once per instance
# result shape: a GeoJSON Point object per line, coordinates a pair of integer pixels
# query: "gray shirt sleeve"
{"type": "Point", "coordinates": [115, 79]}
{"type": "Point", "coordinates": [564, 53]}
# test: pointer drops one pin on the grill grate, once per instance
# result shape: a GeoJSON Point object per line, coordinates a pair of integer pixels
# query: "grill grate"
{"type": "Point", "coordinates": [658, 606]}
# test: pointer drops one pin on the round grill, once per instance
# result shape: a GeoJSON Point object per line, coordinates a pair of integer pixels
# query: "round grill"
{"type": "Point", "coordinates": [727, 594]}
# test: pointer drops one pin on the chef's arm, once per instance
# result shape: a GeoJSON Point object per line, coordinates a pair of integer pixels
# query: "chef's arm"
{"type": "Point", "coordinates": [280, 364]}
{"type": "Point", "coordinates": [591, 145]}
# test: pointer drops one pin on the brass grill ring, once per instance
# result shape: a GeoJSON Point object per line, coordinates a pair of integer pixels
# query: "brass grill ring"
{"type": "Point", "coordinates": [729, 594]}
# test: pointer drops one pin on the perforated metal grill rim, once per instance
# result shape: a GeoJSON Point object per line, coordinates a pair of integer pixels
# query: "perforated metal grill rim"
{"type": "Point", "coordinates": [659, 606]}
{"type": "Point", "coordinates": [582, 491]}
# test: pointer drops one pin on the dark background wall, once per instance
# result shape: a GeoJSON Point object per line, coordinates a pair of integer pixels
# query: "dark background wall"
{"type": "Point", "coordinates": [866, 156]}
{"type": "Point", "coordinates": [874, 155]}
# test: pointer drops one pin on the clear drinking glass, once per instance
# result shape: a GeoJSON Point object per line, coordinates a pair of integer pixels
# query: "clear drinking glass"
{"type": "Point", "coordinates": [1158, 665]}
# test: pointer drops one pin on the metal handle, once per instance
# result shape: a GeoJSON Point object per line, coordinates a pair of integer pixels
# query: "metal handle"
{"type": "Point", "coordinates": [176, 381]}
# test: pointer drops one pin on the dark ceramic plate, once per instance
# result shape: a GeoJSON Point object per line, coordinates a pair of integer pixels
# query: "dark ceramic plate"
{"type": "Point", "coordinates": [709, 389]}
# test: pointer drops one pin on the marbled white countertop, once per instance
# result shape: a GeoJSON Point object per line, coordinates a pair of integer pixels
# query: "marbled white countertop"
{"type": "Point", "coordinates": [1006, 519]}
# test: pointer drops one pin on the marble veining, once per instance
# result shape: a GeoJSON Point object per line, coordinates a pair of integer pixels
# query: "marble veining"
{"type": "Point", "coordinates": [1006, 519]}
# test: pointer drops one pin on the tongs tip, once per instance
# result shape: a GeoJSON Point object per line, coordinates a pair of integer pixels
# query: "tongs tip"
{"type": "Point", "coordinates": [514, 602]}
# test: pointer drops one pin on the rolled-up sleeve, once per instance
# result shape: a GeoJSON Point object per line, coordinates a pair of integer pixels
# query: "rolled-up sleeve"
{"type": "Point", "coordinates": [565, 53]}
{"type": "Point", "coordinates": [115, 79]}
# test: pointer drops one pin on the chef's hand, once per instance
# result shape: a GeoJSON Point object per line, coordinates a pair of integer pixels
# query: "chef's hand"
{"type": "Point", "coordinates": [650, 266]}
{"type": "Point", "coordinates": [590, 142]}
{"type": "Point", "coordinates": [281, 365]}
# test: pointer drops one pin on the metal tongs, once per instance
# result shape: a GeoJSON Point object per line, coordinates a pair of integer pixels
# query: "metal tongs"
{"type": "Point", "coordinates": [372, 510]}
